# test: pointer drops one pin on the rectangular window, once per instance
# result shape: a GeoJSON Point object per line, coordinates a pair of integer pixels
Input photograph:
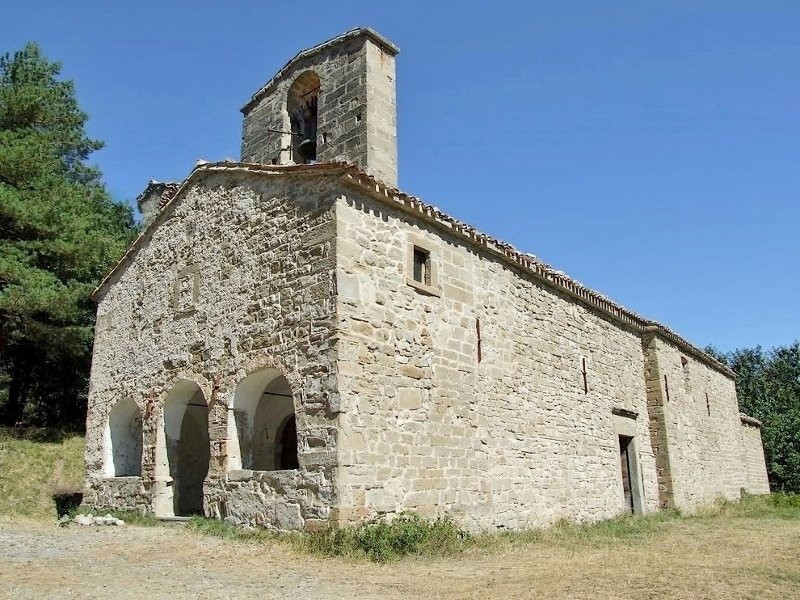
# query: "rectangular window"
{"type": "Point", "coordinates": [422, 266]}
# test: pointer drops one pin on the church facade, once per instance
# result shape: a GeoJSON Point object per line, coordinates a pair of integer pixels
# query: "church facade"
{"type": "Point", "coordinates": [292, 342]}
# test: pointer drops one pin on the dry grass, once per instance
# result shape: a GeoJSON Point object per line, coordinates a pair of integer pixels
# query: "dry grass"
{"type": "Point", "coordinates": [34, 465]}
{"type": "Point", "coordinates": [705, 557]}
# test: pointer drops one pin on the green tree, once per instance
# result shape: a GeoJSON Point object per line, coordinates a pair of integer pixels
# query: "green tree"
{"type": "Point", "coordinates": [59, 232]}
{"type": "Point", "coordinates": [768, 387]}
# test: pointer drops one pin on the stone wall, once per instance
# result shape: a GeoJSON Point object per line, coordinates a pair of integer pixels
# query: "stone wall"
{"type": "Point", "coordinates": [357, 120]}
{"type": "Point", "coordinates": [513, 440]}
{"type": "Point", "coordinates": [476, 390]}
{"type": "Point", "coordinates": [381, 115]}
{"type": "Point", "coordinates": [752, 463]}
{"type": "Point", "coordinates": [238, 276]}
{"type": "Point", "coordinates": [697, 427]}
{"type": "Point", "coordinates": [118, 493]}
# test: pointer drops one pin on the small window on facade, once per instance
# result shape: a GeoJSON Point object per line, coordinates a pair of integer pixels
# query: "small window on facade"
{"type": "Point", "coordinates": [422, 266]}
{"type": "Point", "coordinates": [585, 378]}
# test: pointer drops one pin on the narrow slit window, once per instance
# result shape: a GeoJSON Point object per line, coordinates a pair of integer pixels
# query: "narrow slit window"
{"type": "Point", "coordinates": [478, 332]}
{"type": "Point", "coordinates": [422, 266]}
{"type": "Point", "coordinates": [666, 387]}
{"type": "Point", "coordinates": [585, 378]}
{"type": "Point", "coordinates": [708, 405]}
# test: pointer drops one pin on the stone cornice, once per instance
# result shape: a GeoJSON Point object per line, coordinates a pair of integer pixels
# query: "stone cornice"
{"type": "Point", "coordinates": [624, 412]}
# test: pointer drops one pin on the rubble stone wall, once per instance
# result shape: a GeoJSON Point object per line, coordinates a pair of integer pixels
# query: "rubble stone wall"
{"type": "Point", "coordinates": [118, 493]}
{"type": "Point", "coordinates": [513, 440]}
{"type": "Point", "coordinates": [239, 276]}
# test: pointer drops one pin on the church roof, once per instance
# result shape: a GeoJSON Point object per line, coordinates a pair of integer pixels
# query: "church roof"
{"type": "Point", "coordinates": [354, 177]}
{"type": "Point", "coordinates": [357, 32]}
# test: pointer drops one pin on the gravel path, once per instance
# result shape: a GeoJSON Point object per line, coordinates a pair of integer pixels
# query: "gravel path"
{"type": "Point", "coordinates": [40, 561]}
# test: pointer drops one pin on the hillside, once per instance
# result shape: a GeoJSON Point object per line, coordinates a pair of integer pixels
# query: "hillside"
{"type": "Point", "coordinates": [33, 465]}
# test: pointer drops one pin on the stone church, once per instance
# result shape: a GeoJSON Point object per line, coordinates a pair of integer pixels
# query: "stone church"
{"type": "Point", "coordinates": [292, 341]}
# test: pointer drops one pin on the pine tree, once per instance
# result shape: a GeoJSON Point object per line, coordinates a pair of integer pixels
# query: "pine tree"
{"type": "Point", "coordinates": [59, 233]}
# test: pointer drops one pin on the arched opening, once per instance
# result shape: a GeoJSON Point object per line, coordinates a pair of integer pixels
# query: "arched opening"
{"type": "Point", "coordinates": [182, 452]}
{"type": "Point", "coordinates": [262, 428]}
{"type": "Point", "coordinates": [123, 443]}
{"type": "Point", "coordinates": [301, 104]}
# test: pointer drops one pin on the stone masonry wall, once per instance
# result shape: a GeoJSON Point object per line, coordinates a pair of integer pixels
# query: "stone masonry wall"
{"type": "Point", "coordinates": [513, 441]}
{"type": "Point", "coordinates": [356, 111]}
{"type": "Point", "coordinates": [702, 428]}
{"type": "Point", "coordinates": [381, 115]}
{"type": "Point", "coordinates": [238, 277]}
{"type": "Point", "coordinates": [751, 460]}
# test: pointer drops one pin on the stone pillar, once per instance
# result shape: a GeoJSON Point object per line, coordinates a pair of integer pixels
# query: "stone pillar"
{"type": "Point", "coordinates": [656, 412]}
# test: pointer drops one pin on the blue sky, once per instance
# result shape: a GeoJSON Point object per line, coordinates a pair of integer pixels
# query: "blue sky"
{"type": "Point", "coordinates": [649, 149]}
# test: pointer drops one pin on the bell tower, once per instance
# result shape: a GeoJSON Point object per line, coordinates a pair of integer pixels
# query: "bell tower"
{"type": "Point", "coordinates": [334, 102]}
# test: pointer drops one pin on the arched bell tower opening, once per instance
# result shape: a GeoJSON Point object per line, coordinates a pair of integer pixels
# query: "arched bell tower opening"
{"type": "Point", "coordinates": [302, 105]}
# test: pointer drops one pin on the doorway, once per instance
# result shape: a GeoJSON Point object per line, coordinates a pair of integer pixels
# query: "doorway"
{"type": "Point", "coordinates": [626, 467]}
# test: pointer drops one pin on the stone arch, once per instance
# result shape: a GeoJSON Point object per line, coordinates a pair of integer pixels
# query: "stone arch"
{"type": "Point", "coordinates": [182, 451]}
{"type": "Point", "coordinates": [302, 104]}
{"type": "Point", "coordinates": [123, 440]}
{"type": "Point", "coordinates": [263, 404]}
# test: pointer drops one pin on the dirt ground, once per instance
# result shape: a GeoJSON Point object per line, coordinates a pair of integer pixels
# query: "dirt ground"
{"type": "Point", "coordinates": [732, 558]}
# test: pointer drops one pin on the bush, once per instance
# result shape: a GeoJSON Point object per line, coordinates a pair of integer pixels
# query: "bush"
{"type": "Point", "coordinates": [785, 500]}
{"type": "Point", "coordinates": [383, 540]}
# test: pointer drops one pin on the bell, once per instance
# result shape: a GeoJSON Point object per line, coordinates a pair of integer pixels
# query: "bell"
{"type": "Point", "coordinates": [307, 150]}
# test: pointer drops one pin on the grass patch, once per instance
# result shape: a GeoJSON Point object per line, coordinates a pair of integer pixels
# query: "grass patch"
{"type": "Point", "coordinates": [226, 531]}
{"type": "Point", "coordinates": [386, 540]}
{"type": "Point", "coordinates": [34, 465]}
{"type": "Point", "coordinates": [378, 540]}
{"type": "Point", "coordinates": [625, 528]}
{"type": "Point", "coordinates": [409, 534]}
{"type": "Point", "coordinates": [778, 505]}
